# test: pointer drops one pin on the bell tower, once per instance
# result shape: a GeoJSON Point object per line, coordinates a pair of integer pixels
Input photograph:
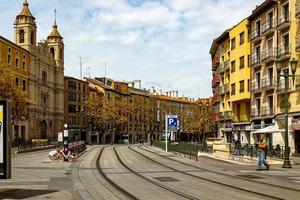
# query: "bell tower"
{"type": "Point", "coordinates": [25, 28]}
{"type": "Point", "coordinates": [56, 44]}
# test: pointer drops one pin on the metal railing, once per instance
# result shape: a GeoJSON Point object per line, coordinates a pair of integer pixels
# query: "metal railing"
{"type": "Point", "coordinates": [255, 112]}
{"type": "Point", "coordinates": [255, 59]}
{"type": "Point", "coordinates": [281, 85]}
{"type": "Point", "coordinates": [255, 34]}
{"type": "Point", "coordinates": [268, 25]}
{"type": "Point", "coordinates": [284, 49]}
{"type": "Point", "coordinates": [267, 110]}
{"type": "Point", "coordinates": [34, 144]}
{"type": "Point", "coordinates": [276, 152]}
{"type": "Point", "coordinates": [268, 83]}
{"type": "Point", "coordinates": [188, 149]}
{"type": "Point", "coordinates": [268, 54]}
{"type": "Point", "coordinates": [297, 12]}
{"type": "Point", "coordinates": [284, 18]}
{"type": "Point", "coordinates": [255, 86]}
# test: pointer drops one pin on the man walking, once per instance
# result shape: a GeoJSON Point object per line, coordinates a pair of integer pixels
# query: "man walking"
{"type": "Point", "coordinates": [262, 147]}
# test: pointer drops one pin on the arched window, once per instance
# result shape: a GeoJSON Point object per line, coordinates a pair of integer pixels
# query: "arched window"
{"type": "Point", "coordinates": [52, 51]}
{"type": "Point", "coordinates": [21, 35]}
{"type": "Point", "coordinates": [61, 54]}
{"type": "Point", "coordinates": [32, 37]}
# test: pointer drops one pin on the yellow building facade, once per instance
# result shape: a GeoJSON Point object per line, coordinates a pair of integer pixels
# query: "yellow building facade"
{"type": "Point", "coordinates": [240, 80]}
{"type": "Point", "coordinates": [275, 35]}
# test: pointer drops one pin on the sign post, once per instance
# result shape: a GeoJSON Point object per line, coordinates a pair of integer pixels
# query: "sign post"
{"type": "Point", "coordinates": [66, 141]}
{"type": "Point", "coordinates": [5, 128]}
{"type": "Point", "coordinates": [171, 124]}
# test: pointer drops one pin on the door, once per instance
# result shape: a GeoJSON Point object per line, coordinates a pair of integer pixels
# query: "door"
{"type": "Point", "coordinates": [270, 76]}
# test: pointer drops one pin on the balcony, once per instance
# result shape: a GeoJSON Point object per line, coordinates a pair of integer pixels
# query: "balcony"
{"type": "Point", "coordinates": [255, 87]}
{"type": "Point", "coordinates": [267, 111]}
{"type": "Point", "coordinates": [297, 12]}
{"type": "Point", "coordinates": [216, 81]}
{"type": "Point", "coordinates": [268, 83]}
{"type": "Point", "coordinates": [255, 112]}
{"type": "Point", "coordinates": [284, 21]}
{"type": "Point", "coordinates": [226, 65]}
{"type": "Point", "coordinates": [281, 86]}
{"type": "Point", "coordinates": [215, 99]}
{"type": "Point", "coordinates": [255, 35]}
{"type": "Point", "coordinates": [298, 43]}
{"type": "Point", "coordinates": [284, 51]}
{"type": "Point", "coordinates": [224, 88]}
{"type": "Point", "coordinates": [226, 115]}
{"type": "Point", "coordinates": [268, 27]}
{"type": "Point", "coordinates": [297, 82]}
{"type": "Point", "coordinates": [256, 60]}
{"type": "Point", "coordinates": [216, 61]}
{"type": "Point", "coordinates": [268, 55]}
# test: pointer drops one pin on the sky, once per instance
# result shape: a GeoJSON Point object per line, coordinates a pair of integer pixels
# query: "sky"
{"type": "Point", "coordinates": [164, 43]}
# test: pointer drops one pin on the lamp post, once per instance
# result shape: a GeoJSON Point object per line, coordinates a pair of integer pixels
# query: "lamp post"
{"type": "Point", "coordinates": [286, 75]}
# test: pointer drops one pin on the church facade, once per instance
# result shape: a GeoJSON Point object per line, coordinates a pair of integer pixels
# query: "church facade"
{"type": "Point", "coordinates": [46, 77]}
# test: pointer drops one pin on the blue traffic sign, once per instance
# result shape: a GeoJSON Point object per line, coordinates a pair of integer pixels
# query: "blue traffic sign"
{"type": "Point", "coordinates": [172, 121]}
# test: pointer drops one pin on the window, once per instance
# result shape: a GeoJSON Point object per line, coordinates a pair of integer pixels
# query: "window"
{"type": "Point", "coordinates": [72, 85]}
{"type": "Point", "coordinates": [233, 89]}
{"type": "Point", "coordinates": [108, 96]}
{"type": "Point", "coordinates": [44, 77]}
{"type": "Point", "coordinates": [52, 51]}
{"type": "Point", "coordinates": [72, 120]}
{"type": "Point", "coordinates": [242, 62]}
{"type": "Point", "coordinates": [79, 86]}
{"type": "Point", "coordinates": [8, 58]}
{"type": "Point", "coordinates": [17, 81]}
{"type": "Point", "coordinates": [24, 85]}
{"type": "Point", "coordinates": [232, 66]}
{"type": "Point", "coordinates": [72, 109]}
{"type": "Point", "coordinates": [242, 38]}
{"type": "Point", "coordinates": [72, 97]}
{"type": "Point", "coordinates": [242, 86]}
{"type": "Point", "coordinates": [32, 37]}
{"type": "Point", "coordinates": [21, 36]}
{"type": "Point", "coordinates": [232, 43]}
{"type": "Point", "coordinates": [17, 62]}
{"type": "Point", "coordinates": [24, 66]}
{"type": "Point", "coordinates": [61, 54]}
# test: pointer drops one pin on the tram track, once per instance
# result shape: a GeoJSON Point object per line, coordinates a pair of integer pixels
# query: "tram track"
{"type": "Point", "coordinates": [110, 181]}
{"type": "Point", "coordinates": [186, 196]}
{"type": "Point", "coordinates": [220, 173]}
{"type": "Point", "coordinates": [203, 178]}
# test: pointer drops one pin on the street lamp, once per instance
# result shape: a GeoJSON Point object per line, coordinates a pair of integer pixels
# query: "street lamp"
{"type": "Point", "coordinates": [286, 75]}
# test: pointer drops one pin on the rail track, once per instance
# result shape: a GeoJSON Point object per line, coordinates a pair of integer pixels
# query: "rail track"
{"type": "Point", "coordinates": [220, 173]}
{"type": "Point", "coordinates": [209, 180]}
{"type": "Point", "coordinates": [111, 182]}
{"type": "Point", "coordinates": [152, 181]}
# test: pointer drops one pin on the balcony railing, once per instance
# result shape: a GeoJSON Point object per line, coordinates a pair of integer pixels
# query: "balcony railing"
{"type": "Point", "coordinates": [268, 27]}
{"type": "Point", "coordinates": [255, 34]}
{"type": "Point", "coordinates": [216, 98]}
{"type": "Point", "coordinates": [297, 13]}
{"type": "Point", "coordinates": [226, 65]}
{"type": "Point", "coordinates": [255, 112]}
{"type": "Point", "coordinates": [298, 43]}
{"type": "Point", "coordinates": [284, 20]}
{"type": "Point", "coordinates": [281, 86]}
{"type": "Point", "coordinates": [226, 87]}
{"type": "Point", "coordinates": [284, 50]}
{"type": "Point", "coordinates": [215, 81]}
{"type": "Point", "coordinates": [268, 55]}
{"type": "Point", "coordinates": [297, 82]}
{"type": "Point", "coordinates": [255, 60]}
{"type": "Point", "coordinates": [255, 87]}
{"type": "Point", "coordinates": [268, 83]}
{"type": "Point", "coordinates": [267, 111]}
{"type": "Point", "coordinates": [216, 61]}
{"type": "Point", "coordinates": [225, 115]}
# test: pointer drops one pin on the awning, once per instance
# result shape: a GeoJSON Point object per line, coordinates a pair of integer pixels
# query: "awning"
{"type": "Point", "coordinates": [269, 129]}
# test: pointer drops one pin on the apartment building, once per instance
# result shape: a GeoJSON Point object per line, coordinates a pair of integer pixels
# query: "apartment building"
{"type": "Point", "coordinates": [240, 81]}
{"type": "Point", "coordinates": [274, 36]}
{"type": "Point", "coordinates": [76, 93]}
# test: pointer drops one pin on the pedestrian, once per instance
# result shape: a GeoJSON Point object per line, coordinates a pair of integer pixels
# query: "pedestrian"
{"type": "Point", "coordinates": [262, 147]}
{"type": "Point", "coordinates": [142, 141]}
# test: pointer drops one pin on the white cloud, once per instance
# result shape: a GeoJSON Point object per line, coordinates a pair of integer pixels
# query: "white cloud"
{"type": "Point", "coordinates": [162, 42]}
